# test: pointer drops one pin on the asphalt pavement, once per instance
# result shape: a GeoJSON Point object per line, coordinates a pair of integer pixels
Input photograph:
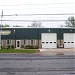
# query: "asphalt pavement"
{"type": "Point", "coordinates": [46, 62]}
{"type": "Point", "coordinates": [36, 64]}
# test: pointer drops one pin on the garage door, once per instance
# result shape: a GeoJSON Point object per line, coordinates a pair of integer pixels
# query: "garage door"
{"type": "Point", "coordinates": [49, 40]}
{"type": "Point", "coordinates": [69, 40]}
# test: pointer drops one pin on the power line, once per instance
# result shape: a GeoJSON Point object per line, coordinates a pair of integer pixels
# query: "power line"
{"type": "Point", "coordinates": [36, 4]}
{"type": "Point", "coordinates": [38, 14]}
{"type": "Point", "coordinates": [33, 20]}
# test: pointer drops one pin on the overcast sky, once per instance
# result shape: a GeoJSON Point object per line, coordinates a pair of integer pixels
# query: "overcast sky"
{"type": "Point", "coordinates": [11, 7]}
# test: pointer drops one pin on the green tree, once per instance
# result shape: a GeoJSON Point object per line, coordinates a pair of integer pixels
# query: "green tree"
{"type": "Point", "coordinates": [70, 22]}
{"type": "Point", "coordinates": [6, 25]}
{"type": "Point", "coordinates": [1, 25]}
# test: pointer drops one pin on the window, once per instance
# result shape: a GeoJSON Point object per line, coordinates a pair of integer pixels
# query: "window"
{"type": "Point", "coordinates": [54, 42]}
{"type": "Point", "coordinates": [9, 42]}
{"type": "Point", "coordinates": [25, 42]}
{"type": "Point", "coordinates": [46, 42]}
{"type": "Point", "coordinates": [32, 42]}
{"type": "Point", "coordinates": [50, 42]}
{"type": "Point", "coordinates": [43, 42]}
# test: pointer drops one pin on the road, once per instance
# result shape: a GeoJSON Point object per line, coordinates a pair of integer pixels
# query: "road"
{"type": "Point", "coordinates": [34, 64]}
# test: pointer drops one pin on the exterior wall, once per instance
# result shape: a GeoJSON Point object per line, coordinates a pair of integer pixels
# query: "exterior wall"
{"type": "Point", "coordinates": [1, 42]}
{"type": "Point", "coordinates": [60, 43]}
{"type": "Point", "coordinates": [33, 42]}
{"type": "Point", "coordinates": [40, 45]}
{"type": "Point", "coordinates": [36, 42]}
{"type": "Point", "coordinates": [22, 43]}
{"type": "Point", "coordinates": [4, 44]}
{"type": "Point", "coordinates": [26, 34]}
{"type": "Point", "coordinates": [25, 42]}
{"type": "Point", "coordinates": [13, 42]}
{"type": "Point", "coordinates": [29, 42]}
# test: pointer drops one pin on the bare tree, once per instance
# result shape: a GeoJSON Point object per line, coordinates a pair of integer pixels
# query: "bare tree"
{"type": "Point", "coordinates": [36, 24]}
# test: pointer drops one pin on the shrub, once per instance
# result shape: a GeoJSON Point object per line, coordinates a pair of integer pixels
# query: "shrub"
{"type": "Point", "coordinates": [3, 47]}
{"type": "Point", "coordinates": [29, 47]}
{"type": "Point", "coordinates": [12, 46]}
{"type": "Point", "coordinates": [26, 46]}
{"type": "Point", "coordinates": [8, 47]}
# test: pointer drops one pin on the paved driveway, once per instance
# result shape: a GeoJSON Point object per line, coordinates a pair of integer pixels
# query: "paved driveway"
{"type": "Point", "coordinates": [58, 51]}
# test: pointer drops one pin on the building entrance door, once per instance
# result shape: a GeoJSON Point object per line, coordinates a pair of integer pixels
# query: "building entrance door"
{"type": "Point", "coordinates": [18, 43]}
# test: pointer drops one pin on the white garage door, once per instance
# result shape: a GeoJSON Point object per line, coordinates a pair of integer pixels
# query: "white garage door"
{"type": "Point", "coordinates": [69, 40]}
{"type": "Point", "coordinates": [49, 40]}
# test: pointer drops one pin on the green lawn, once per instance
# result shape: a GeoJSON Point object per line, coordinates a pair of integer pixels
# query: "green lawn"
{"type": "Point", "coordinates": [19, 51]}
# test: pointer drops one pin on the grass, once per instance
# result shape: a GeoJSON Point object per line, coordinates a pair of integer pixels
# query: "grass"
{"type": "Point", "coordinates": [19, 51]}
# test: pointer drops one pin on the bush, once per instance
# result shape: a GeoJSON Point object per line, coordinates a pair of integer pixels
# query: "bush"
{"type": "Point", "coordinates": [12, 46]}
{"type": "Point", "coordinates": [4, 47]}
{"type": "Point", "coordinates": [8, 47]}
{"type": "Point", "coordinates": [1, 47]}
{"type": "Point", "coordinates": [29, 47]}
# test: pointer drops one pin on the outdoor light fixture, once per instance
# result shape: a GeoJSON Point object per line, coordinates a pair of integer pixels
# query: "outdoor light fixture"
{"type": "Point", "coordinates": [14, 30]}
{"type": "Point", "coordinates": [70, 30]}
{"type": "Point", "coordinates": [49, 30]}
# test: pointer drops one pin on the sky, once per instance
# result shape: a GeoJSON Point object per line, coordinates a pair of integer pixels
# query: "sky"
{"type": "Point", "coordinates": [21, 7]}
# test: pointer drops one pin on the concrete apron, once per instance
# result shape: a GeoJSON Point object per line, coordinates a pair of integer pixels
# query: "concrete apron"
{"type": "Point", "coordinates": [58, 51]}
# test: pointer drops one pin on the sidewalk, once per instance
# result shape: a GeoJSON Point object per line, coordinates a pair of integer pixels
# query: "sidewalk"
{"type": "Point", "coordinates": [58, 51]}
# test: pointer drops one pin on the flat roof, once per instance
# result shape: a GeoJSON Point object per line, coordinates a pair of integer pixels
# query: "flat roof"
{"type": "Point", "coordinates": [40, 27]}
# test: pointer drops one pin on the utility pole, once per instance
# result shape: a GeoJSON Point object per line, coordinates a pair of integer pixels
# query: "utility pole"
{"type": "Point", "coordinates": [1, 28]}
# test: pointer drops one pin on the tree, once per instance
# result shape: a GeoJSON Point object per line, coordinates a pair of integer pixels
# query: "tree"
{"type": "Point", "coordinates": [36, 24]}
{"type": "Point", "coordinates": [70, 22]}
{"type": "Point", "coordinates": [6, 25]}
{"type": "Point", "coordinates": [1, 25]}
{"type": "Point", "coordinates": [16, 26]}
